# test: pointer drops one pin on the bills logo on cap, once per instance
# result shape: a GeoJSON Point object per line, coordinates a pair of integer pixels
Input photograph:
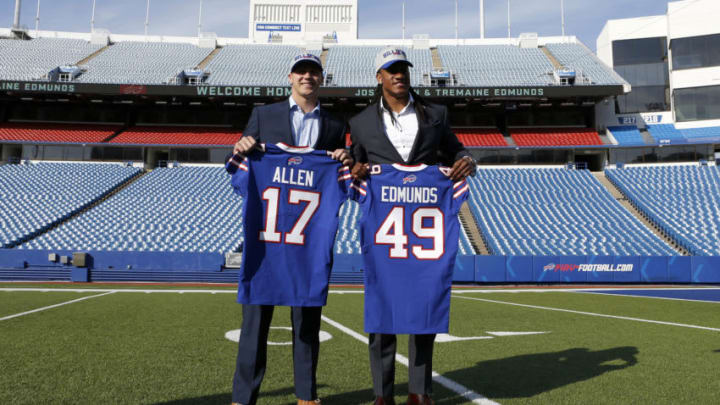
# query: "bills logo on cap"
{"type": "Point", "coordinates": [295, 160]}
{"type": "Point", "coordinates": [409, 179]}
{"type": "Point", "coordinates": [395, 52]}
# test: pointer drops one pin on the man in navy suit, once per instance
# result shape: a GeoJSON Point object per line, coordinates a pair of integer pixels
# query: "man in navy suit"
{"type": "Point", "coordinates": [297, 121]}
{"type": "Point", "coordinates": [400, 127]}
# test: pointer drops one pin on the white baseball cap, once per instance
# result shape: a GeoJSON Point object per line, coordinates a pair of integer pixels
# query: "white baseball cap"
{"type": "Point", "coordinates": [388, 56]}
{"type": "Point", "coordinates": [305, 57]}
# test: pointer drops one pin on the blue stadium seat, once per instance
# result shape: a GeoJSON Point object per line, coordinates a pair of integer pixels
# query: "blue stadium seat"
{"type": "Point", "coordinates": [627, 135]}
{"type": "Point", "coordinates": [555, 212]}
{"type": "Point", "coordinates": [36, 196]}
{"type": "Point", "coordinates": [180, 209]}
{"type": "Point", "coordinates": [682, 200]}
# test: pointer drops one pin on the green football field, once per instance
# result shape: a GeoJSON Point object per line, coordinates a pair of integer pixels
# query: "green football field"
{"type": "Point", "coordinates": [153, 345]}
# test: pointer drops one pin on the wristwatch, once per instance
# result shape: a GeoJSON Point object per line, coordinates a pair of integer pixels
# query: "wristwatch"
{"type": "Point", "coordinates": [473, 163]}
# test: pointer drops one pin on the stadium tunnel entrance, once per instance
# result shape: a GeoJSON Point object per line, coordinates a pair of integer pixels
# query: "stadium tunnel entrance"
{"type": "Point", "coordinates": [593, 160]}
{"type": "Point", "coordinates": [10, 153]}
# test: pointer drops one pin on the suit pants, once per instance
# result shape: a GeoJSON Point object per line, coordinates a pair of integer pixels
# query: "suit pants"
{"type": "Point", "coordinates": [382, 363]}
{"type": "Point", "coordinates": [252, 351]}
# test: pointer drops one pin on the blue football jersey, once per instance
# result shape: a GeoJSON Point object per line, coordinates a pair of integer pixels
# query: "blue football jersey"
{"type": "Point", "coordinates": [409, 232]}
{"type": "Point", "coordinates": [291, 200]}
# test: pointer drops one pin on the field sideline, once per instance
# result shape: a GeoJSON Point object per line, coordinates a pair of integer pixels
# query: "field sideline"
{"type": "Point", "coordinates": [160, 344]}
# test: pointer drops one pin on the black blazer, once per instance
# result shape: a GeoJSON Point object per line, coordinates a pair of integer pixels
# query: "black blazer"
{"type": "Point", "coordinates": [271, 123]}
{"type": "Point", "coordinates": [435, 142]}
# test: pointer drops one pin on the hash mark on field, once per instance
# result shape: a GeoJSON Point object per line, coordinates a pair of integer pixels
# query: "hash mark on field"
{"type": "Point", "coordinates": [53, 306]}
{"type": "Point", "coordinates": [467, 393]}
{"type": "Point", "coordinates": [627, 318]}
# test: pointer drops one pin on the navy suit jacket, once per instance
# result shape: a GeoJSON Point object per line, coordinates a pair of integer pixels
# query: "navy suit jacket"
{"type": "Point", "coordinates": [271, 124]}
{"type": "Point", "coordinates": [435, 142]}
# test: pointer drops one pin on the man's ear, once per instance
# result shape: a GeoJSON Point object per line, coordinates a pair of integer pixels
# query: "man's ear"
{"type": "Point", "coordinates": [378, 76]}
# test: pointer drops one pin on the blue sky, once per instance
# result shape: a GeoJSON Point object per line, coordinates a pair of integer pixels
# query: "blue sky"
{"type": "Point", "coordinates": [378, 18]}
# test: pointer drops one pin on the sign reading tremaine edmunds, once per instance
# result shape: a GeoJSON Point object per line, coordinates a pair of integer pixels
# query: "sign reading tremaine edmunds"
{"type": "Point", "coordinates": [207, 91]}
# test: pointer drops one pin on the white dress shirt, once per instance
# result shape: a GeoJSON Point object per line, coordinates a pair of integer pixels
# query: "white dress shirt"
{"type": "Point", "coordinates": [403, 132]}
{"type": "Point", "coordinates": [305, 127]}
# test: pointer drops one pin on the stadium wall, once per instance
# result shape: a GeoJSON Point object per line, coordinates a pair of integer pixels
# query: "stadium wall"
{"type": "Point", "coordinates": [18, 264]}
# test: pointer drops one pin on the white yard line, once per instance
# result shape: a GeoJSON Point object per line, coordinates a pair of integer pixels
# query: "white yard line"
{"type": "Point", "coordinates": [136, 290]}
{"type": "Point", "coordinates": [467, 393]}
{"type": "Point", "coordinates": [627, 318]}
{"type": "Point", "coordinates": [646, 296]}
{"type": "Point", "coordinates": [53, 306]}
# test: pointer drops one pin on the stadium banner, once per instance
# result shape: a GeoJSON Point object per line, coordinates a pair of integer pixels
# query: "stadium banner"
{"type": "Point", "coordinates": [555, 269]}
{"type": "Point", "coordinates": [705, 269]}
{"type": "Point", "coordinates": [637, 263]}
{"type": "Point", "coordinates": [464, 268]}
{"type": "Point", "coordinates": [491, 269]}
{"type": "Point", "coordinates": [519, 269]}
{"type": "Point", "coordinates": [679, 269]}
{"type": "Point", "coordinates": [210, 91]}
{"type": "Point", "coordinates": [654, 269]}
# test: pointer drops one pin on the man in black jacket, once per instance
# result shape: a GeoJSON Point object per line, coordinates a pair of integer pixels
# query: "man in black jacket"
{"type": "Point", "coordinates": [297, 121]}
{"type": "Point", "coordinates": [400, 127]}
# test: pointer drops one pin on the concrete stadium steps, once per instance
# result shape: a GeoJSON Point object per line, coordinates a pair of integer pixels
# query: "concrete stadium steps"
{"type": "Point", "coordinates": [467, 220]}
{"type": "Point", "coordinates": [623, 200]}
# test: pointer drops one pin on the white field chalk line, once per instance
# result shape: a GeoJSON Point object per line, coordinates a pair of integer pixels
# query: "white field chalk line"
{"type": "Point", "coordinates": [469, 394]}
{"type": "Point", "coordinates": [53, 306]}
{"type": "Point", "coordinates": [354, 291]}
{"type": "Point", "coordinates": [650, 296]}
{"type": "Point", "coordinates": [627, 318]}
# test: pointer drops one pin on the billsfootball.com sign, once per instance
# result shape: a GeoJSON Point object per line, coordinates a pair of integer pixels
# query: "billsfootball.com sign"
{"type": "Point", "coordinates": [564, 267]}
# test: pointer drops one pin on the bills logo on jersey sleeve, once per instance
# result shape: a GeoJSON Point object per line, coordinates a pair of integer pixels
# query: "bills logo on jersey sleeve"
{"type": "Point", "coordinates": [236, 162]}
{"type": "Point", "coordinates": [460, 189]}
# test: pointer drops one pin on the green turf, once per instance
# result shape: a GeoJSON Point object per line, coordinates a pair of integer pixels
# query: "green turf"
{"type": "Point", "coordinates": [16, 302]}
{"type": "Point", "coordinates": [169, 348]}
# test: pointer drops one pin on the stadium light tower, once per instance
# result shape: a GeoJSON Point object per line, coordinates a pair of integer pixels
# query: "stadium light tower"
{"type": "Point", "coordinates": [456, 20]}
{"type": "Point", "coordinates": [16, 19]}
{"type": "Point", "coordinates": [508, 18]}
{"type": "Point", "coordinates": [200, 19]}
{"type": "Point", "coordinates": [482, 18]}
{"type": "Point", "coordinates": [37, 18]}
{"type": "Point", "coordinates": [562, 17]}
{"type": "Point", "coordinates": [92, 18]}
{"type": "Point", "coordinates": [147, 17]}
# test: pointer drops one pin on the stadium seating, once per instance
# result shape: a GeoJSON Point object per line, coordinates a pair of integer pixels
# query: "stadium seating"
{"type": "Point", "coordinates": [497, 65]}
{"type": "Point", "coordinates": [142, 62]}
{"type": "Point", "coordinates": [34, 197]}
{"type": "Point", "coordinates": [34, 59]}
{"type": "Point", "coordinates": [666, 133]}
{"type": "Point", "coordinates": [347, 239]}
{"type": "Point", "coordinates": [555, 136]}
{"type": "Point", "coordinates": [682, 200]}
{"type": "Point", "coordinates": [180, 209]}
{"type": "Point", "coordinates": [627, 135]}
{"type": "Point", "coordinates": [353, 66]}
{"type": "Point", "coordinates": [582, 60]}
{"type": "Point", "coordinates": [701, 134]}
{"type": "Point", "coordinates": [151, 135]}
{"type": "Point", "coordinates": [56, 133]}
{"type": "Point", "coordinates": [480, 137]}
{"type": "Point", "coordinates": [256, 65]}
{"type": "Point", "coordinates": [555, 212]}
